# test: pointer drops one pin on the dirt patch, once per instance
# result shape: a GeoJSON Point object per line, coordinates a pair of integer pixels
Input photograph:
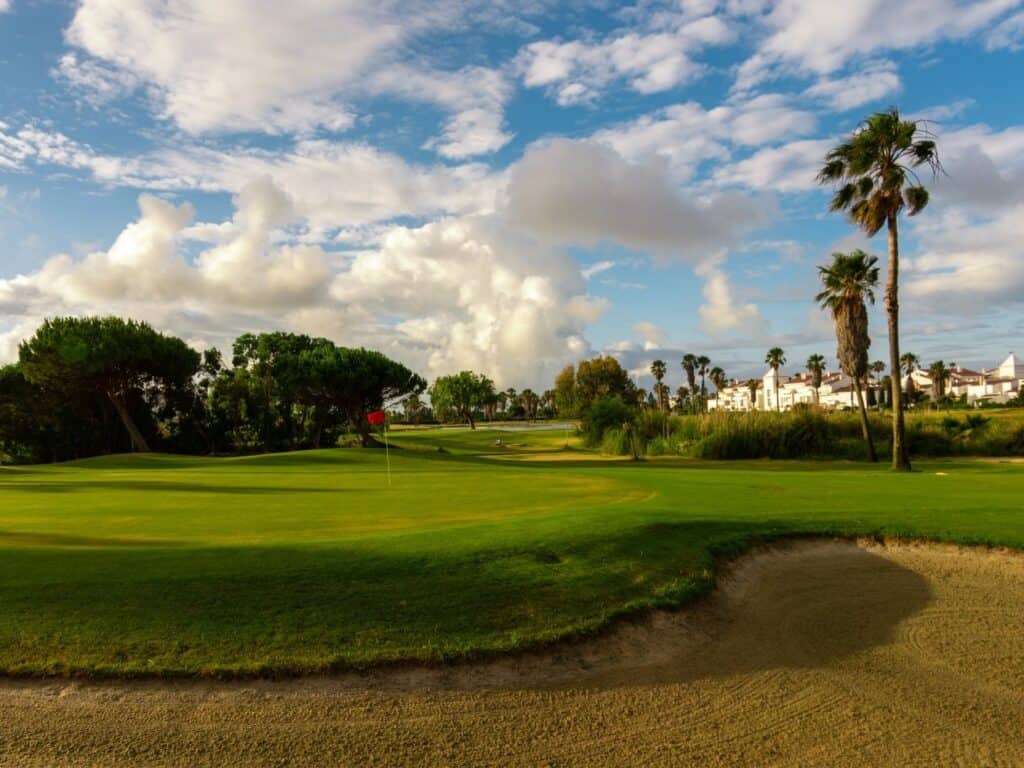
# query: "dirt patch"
{"type": "Point", "coordinates": [816, 653]}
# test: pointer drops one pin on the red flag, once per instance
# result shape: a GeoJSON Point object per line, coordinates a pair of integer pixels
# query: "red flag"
{"type": "Point", "coordinates": [375, 417]}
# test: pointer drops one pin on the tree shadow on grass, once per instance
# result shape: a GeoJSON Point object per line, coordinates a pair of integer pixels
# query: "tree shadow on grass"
{"type": "Point", "coordinates": [288, 610]}
{"type": "Point", "coordinates": [71, 485]}
{"type": "Point", "coordinates": [30, 539]}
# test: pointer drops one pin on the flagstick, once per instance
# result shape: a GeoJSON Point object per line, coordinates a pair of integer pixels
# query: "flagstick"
{"type": "Point", "coordinates": [387, 451]}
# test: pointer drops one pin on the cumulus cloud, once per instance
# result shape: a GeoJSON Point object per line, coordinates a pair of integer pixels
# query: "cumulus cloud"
{"type": "Point", "coordinates": [984, 168]}
{"type": "Point", "coordinates": [457, 293]}
{"type": "Point", "coordinates": [332, 184]}
{"type": "Point", "coordinates": [870, 83]}
{"type": "Point", "coordinates": [687, 135]}
{"type": "Point", "coordinates": [579, 70]}
{"type": "Point", "coordinates": [814, 37]}
{"type": "Point", "coordinates": [145, 263]}
{"type": "Point", "coordinates": [968, 264]}
{"type": "Point", "coordinates": [280, 68]}
{"type": "Point", "coordinates": [472, 294]}
{"type": "Point", "coordinates": [721, 312]}
{"type": "Point", "coordinates": [237, 65]}
{"type": "Point", "coordinates": [791, 167]}
{"type": "Point", "coordinates": [475, 96]}
{"type": "Point", "coordinates": [5, 6]}
{"type": "Point", "coordinates": [597, 195]}
{"type": "Point", "coordinates": [653, 335]}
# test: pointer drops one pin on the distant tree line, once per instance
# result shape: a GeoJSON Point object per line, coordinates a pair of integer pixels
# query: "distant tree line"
{"type": "Point", "coordinates": [88, 386]}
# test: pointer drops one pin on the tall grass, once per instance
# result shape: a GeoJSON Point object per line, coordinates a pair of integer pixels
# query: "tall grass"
{"type": "Point", "coordinates": [816, 433]}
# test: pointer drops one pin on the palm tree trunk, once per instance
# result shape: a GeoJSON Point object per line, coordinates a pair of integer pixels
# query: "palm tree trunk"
{"type": "Point", "coordinates": [864, 427]}
{"type": "Point", "coordinates": [900, 456]}
{"type": "Point", "coordinates": [778, 405]}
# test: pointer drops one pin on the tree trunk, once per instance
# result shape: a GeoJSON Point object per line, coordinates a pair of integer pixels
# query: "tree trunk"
{"type": "Point", "coordinates": [900, 456]}
{"type": "Point", "coordinates": [469, 418]}
{"type": "Point", "coordinates": [138, 441]}
{"type": "Point", "coordinates": [778, 405]}
{"type": "Point", "coordinates": [864, 426]}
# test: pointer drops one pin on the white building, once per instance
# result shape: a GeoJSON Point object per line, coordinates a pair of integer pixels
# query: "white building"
{"type": "Point", "coordinates": [990, 385]}
{"type": "Point", "coordinates": [836, 391]}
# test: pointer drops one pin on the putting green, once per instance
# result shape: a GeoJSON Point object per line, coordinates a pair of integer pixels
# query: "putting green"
{"type": "Point", "coordinates": [311, 561]}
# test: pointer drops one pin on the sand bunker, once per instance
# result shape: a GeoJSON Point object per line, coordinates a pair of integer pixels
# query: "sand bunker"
{"type": "Point", "coordinates": [820, 653]}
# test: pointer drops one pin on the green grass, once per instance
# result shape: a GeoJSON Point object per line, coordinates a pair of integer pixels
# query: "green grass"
{"type": "Point", "coordinates": [135, 565]}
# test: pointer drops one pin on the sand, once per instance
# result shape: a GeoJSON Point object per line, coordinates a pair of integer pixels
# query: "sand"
{"type": "Point", "coordinates": [815, 653]}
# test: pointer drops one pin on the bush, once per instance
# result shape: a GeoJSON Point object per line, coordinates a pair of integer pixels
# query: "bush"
{"type": "Point", "coordinates": [603, 415]}
{"type": "Point", "coordinates": [616, 442]}
{"type": "Point", "coordinates": [810, 433]}
{"type": "Point", "coordinates": [660, 446]}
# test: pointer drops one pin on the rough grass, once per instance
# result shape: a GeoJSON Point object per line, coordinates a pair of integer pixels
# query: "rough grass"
{"type": "Point", "coordinates": [156, 565]}
{"type": "Point", "coordinates": [813, 433]}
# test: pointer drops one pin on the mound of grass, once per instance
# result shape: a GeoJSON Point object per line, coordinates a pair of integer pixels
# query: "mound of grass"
{"type": "Point", "coordinates": [151, 565]}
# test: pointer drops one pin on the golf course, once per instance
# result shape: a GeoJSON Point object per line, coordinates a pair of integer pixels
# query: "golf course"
{"type": "Point", "coordinates": [482, 543]}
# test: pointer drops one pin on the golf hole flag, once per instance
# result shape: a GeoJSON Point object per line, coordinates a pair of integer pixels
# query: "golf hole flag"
{"type": "Point", "coordinates": [379, 417]}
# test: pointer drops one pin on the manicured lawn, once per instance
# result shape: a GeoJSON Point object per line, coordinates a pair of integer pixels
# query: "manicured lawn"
{"type": "Point", "coordinates": [310, 561]}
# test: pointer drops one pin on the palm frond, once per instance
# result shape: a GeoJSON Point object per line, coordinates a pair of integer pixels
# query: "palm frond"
{"type": "Point", "coordinates": [916, 198]}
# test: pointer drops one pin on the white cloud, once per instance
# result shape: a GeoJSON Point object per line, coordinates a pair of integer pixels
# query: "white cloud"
{"type": "Point", "coordinates": [97, 82]}
{"type": "Point", "coordinates": [652, 335]}
{"type": "Point", "coordinates": [650, 62]}
{"type": "Point", "coordinates": [236, 65]}
{"type": "Point", "coordinates": [333, 184]}
{"type": "Point", "coordinates": [472, 294]}
{"type": "Point", "coordinates": [984, 169]}
{"type": "Point", "coordinates": [968, 264]}
{"type": "Point", "coordinates": [720, 312]}
{"type": "Point", "coordinates": [817, 37]}
{"type": "Point", "coordinates": [870, 83]}
{"type": "Point", "coordinates": [282, 68]}
{"type": "Point", "coordinates": [789, 168]}
{"type": "Point", "coordinates": [1008, 34]}
{"type": "Point", "coordinates": [5, 6]}
{"type": "Point", "coordinates": [687, 134]}
{"type": "Point", "coordinates": [457, 293]}
{"type": "Point", "coordinates": [475, 96]}
{"type": "Point", "coordinates": [145, 263]}
{"type": "Point", "coordinates": [596, 195]}
{"type": "Point", "coordinates": [597, 268]}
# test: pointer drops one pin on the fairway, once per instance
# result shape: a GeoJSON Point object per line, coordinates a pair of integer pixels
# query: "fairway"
{"type": "Point", "coordinates": [310, 561]}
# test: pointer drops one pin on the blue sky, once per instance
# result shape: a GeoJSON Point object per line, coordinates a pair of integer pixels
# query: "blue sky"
{"type": "Point", "coordinates": [507, 187]}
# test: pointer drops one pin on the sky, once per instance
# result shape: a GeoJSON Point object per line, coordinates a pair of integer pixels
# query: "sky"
{"type": "Point", "coordinates": [502, 186]}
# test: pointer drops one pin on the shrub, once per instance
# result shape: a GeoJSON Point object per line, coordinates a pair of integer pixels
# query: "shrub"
{"type": "Point", "coordinates": [603, 415]}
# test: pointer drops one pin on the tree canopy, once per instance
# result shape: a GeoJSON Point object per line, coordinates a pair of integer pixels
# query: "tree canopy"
{"type": "Point", "coordinates": [85, 386]}
{"type": "Point", "coordinates": [116, 358]}
{"type": "Point", "coordinates": [460, 395]}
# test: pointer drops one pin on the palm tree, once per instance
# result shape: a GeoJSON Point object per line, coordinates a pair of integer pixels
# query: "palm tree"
{"type": "Point", "coordinates": [848, 282]}
{"type": "Point", "coordinates": [816, 367]}
{"type": "Point", "coordinates": [875, 179]}
{"type": "Point", "coordinates": [909, 362]}
{"type": "Point", "coordinates": [682, 397]}
{"type": "Point", "coordinates": [530, 401]}
{"type": "Point", "coordinates": [548, 402]}
{"type": "Point", "coordinates": [658, 370]}
{"type": "Point", "coordinates": [775, 359]}
{"type": "Point", "coordinates": [718, 378]}
{"type": "Point", "coordinates": [703, 361]}
{"type": "Point", "coordinates": [877, 368]}
{"type": "Point", "coordinates": [690, 367]}
{"type": "Point", "coordinates": [752, 387]}
{"type": "Point", "coordinates": [939, 373]}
